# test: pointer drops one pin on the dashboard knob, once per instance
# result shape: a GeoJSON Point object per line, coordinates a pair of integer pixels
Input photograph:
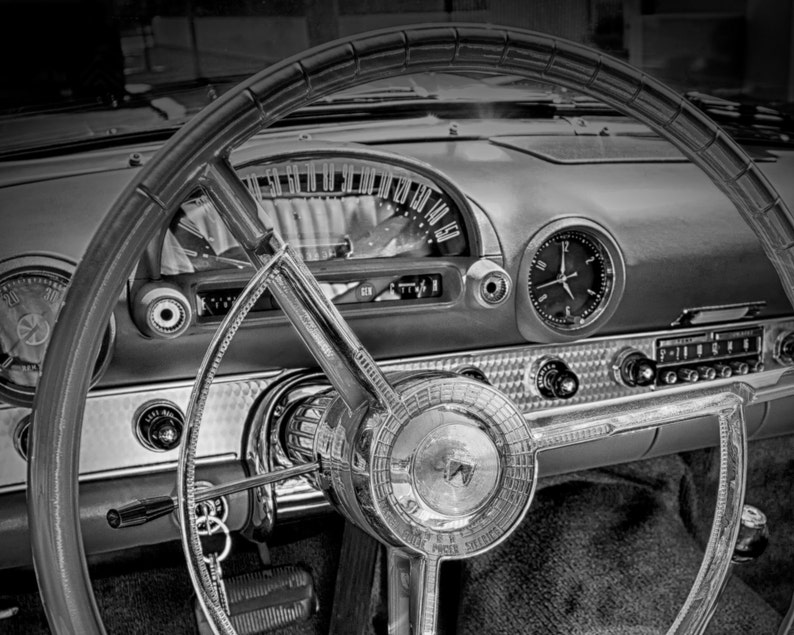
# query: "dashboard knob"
{"type": "Point", "coordinates": [688, 375]}
{"type": "Point", "coordinates": [162, 310]}
{"type": "Point", "coordinates": [554, 380]}
{"type": "Point", "coordinates": [740, 368]}
{"type": "Point", "coordinates": [633, 368]}
{"type": "Point", "coordinates": [489, 285]}
{"type": "Point", "coordinates": [723, 370]}
{"type": "Point", "coordinates": [757, 366]}
{"type": "Point", "coordinates": [158, 425]}
{"type": "Point", "coordinates": [784, 351]}
{"type": "Point", "coordinates": [707, 373]}
{"type": "Point", "coordinates": [669, 377]}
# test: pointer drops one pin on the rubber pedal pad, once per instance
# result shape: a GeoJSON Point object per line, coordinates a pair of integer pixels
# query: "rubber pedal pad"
{"type": "Point", "coordinates": [267, 600]}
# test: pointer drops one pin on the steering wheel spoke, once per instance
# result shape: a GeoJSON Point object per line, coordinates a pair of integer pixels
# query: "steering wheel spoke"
{"type": "Point", "coordinates": [412, 593]}
{"type": "Point", "coordinates": [727, 404]}
{"type": "Point", "coordinates": [347, 364]}
{"type": "Point", "coordinates": [560, 429]}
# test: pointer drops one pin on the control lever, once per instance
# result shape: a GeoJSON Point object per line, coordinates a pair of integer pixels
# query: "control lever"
{"type": "Point", "coordinates": [142, 511]}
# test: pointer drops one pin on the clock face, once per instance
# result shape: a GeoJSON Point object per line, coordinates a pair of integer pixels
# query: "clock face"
{"type": "Point", "coordinates": [570, 279]}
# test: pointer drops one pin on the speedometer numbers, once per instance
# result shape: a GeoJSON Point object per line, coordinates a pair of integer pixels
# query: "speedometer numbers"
{"type": "Point", "coordinates": [376, 209]}
{"type": "Point", "coordinates": [31, 293]}
{"type": "Point", "coordinates": [328, 208]}
{"type": "Point", "coordinates": [574, 275]}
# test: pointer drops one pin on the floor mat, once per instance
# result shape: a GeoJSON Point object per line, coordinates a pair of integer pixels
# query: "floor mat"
{"type": "Point", "coordinates": [603, 551]}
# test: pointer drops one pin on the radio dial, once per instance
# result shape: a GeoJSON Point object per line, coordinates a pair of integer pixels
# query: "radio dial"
{"type": "Point", "coordinates": [688, 375]}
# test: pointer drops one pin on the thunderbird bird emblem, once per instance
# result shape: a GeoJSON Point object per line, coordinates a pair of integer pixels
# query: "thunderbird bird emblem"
{"type": "Point", "coordinates": [458, 471]}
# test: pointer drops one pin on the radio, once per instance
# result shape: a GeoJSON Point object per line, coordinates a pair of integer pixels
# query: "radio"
{"type": "Point", "coordinates": [709, 355]}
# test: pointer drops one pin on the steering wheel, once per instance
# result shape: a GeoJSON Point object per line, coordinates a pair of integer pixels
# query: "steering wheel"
{"type": "Point", "coordinates": [378, 428]}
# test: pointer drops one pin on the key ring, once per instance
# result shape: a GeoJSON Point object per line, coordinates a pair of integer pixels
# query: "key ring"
{"type": "Point", "coordinates": [208, 521]}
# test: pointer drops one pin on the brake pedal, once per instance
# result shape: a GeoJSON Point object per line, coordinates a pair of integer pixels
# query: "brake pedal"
{"type": "Point", "coordinates": [263, 601]}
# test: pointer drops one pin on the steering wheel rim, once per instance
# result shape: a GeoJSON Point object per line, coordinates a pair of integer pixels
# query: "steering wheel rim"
{"type": "Point", "coordinates": [147, 203]}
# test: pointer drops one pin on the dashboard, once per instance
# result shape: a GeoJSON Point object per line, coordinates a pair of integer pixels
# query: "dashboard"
{"type": "Point", "coordinates": [566, 270]}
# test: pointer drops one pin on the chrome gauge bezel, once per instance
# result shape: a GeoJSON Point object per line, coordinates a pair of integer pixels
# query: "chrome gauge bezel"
{"type": "Point", "coordinates": [477, 227]}
{"type": "Point", "coordinates": [62, 270]}
{"type": "Point", "coordinates": [531, 323]}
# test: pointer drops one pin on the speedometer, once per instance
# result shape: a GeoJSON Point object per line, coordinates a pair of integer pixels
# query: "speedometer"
{"type": "Point", "coordinates": [328, 206]}
{"type": "Point", "coordinates": [31, 293]}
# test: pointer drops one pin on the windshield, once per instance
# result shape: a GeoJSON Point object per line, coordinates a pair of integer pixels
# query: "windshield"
{"type": "Point", "coordinates": [77, 69]}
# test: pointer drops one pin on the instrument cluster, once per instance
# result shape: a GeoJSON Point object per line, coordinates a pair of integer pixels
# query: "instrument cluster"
{"type": "Point", "coordinates": [339, 207]}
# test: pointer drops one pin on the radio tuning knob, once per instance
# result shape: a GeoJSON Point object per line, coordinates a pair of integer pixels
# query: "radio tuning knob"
{"type": "Point", "coordinates": [669, 377]}
{"type": "Point", "coordinates": [740, 368]}
{"type": "Point", "coordinates": [688, 375]}
{"type": "Point", "coordinates": [634, 369]}
{"type": "Point", "coordinates": [784, 351]}
{"type": "Point", "coordinates": [707, 373]}
{"type": "Point", "coordinates": [723, 370]}
{"type": "Point", "coordinates": [757, 366]}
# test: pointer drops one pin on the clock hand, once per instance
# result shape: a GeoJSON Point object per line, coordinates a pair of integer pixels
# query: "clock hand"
{"type": "Point", "coordinates": [562, 259]}
{"type": "Point", "coordinates": [567, 288]}
{"type": "Point", "coordinates": [548, 284]}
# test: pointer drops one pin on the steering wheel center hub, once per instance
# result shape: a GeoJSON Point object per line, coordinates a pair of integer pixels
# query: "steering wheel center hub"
{"type": "Point", "coordinates": [448, 474]}
{"type": "Point", "coordinates": [455, 468]}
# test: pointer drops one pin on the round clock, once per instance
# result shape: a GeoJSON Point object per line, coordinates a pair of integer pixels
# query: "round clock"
{"type": "Point", "coordinates": [574, 276]}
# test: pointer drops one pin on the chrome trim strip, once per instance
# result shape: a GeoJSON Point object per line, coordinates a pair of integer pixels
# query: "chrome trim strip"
{"type": "Point", "coordinates": [110, 450]}
{"type": "Point", "coordinates": [142, 470]}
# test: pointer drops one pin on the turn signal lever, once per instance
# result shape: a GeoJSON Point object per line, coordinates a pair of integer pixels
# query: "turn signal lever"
{"type": "Point", "coordinates": [142, 511]}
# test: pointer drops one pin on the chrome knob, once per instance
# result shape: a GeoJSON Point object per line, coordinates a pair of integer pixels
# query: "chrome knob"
{"type": "Point", "coordinates": [707, 373]}
{"type": "Point", "coordinates": [158, 425]}
{"type": "Point", "coordinates": [669, 377]}
{"type": "Point", "coordinates": [753, 535]}
{"type": "Point", "coordinates": [740, 368]}
{"type": "Point", "coordinates": [688, 375]}
{"type": "Point", "coordinates": [784, 351]}
{"type": "Point", "coordinates": [723, 370]}
{"type": "Point", "coordinates": [632, 368]}
{"type": "Point", "coordinates": [757, 366]}
{"type": "Point", "coordinates": [554, 380]}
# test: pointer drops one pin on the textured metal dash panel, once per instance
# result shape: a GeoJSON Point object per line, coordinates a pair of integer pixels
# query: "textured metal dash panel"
{"type": "Point", "coordinates": [109, 442]}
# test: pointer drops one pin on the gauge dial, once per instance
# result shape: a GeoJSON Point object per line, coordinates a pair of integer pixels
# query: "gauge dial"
{"type": "Point", "coordinates": [30, 298]}
{"type": "Point", "coordinates": [570, 279]}
{"type": "Point", "coordinates": [339, 207]}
